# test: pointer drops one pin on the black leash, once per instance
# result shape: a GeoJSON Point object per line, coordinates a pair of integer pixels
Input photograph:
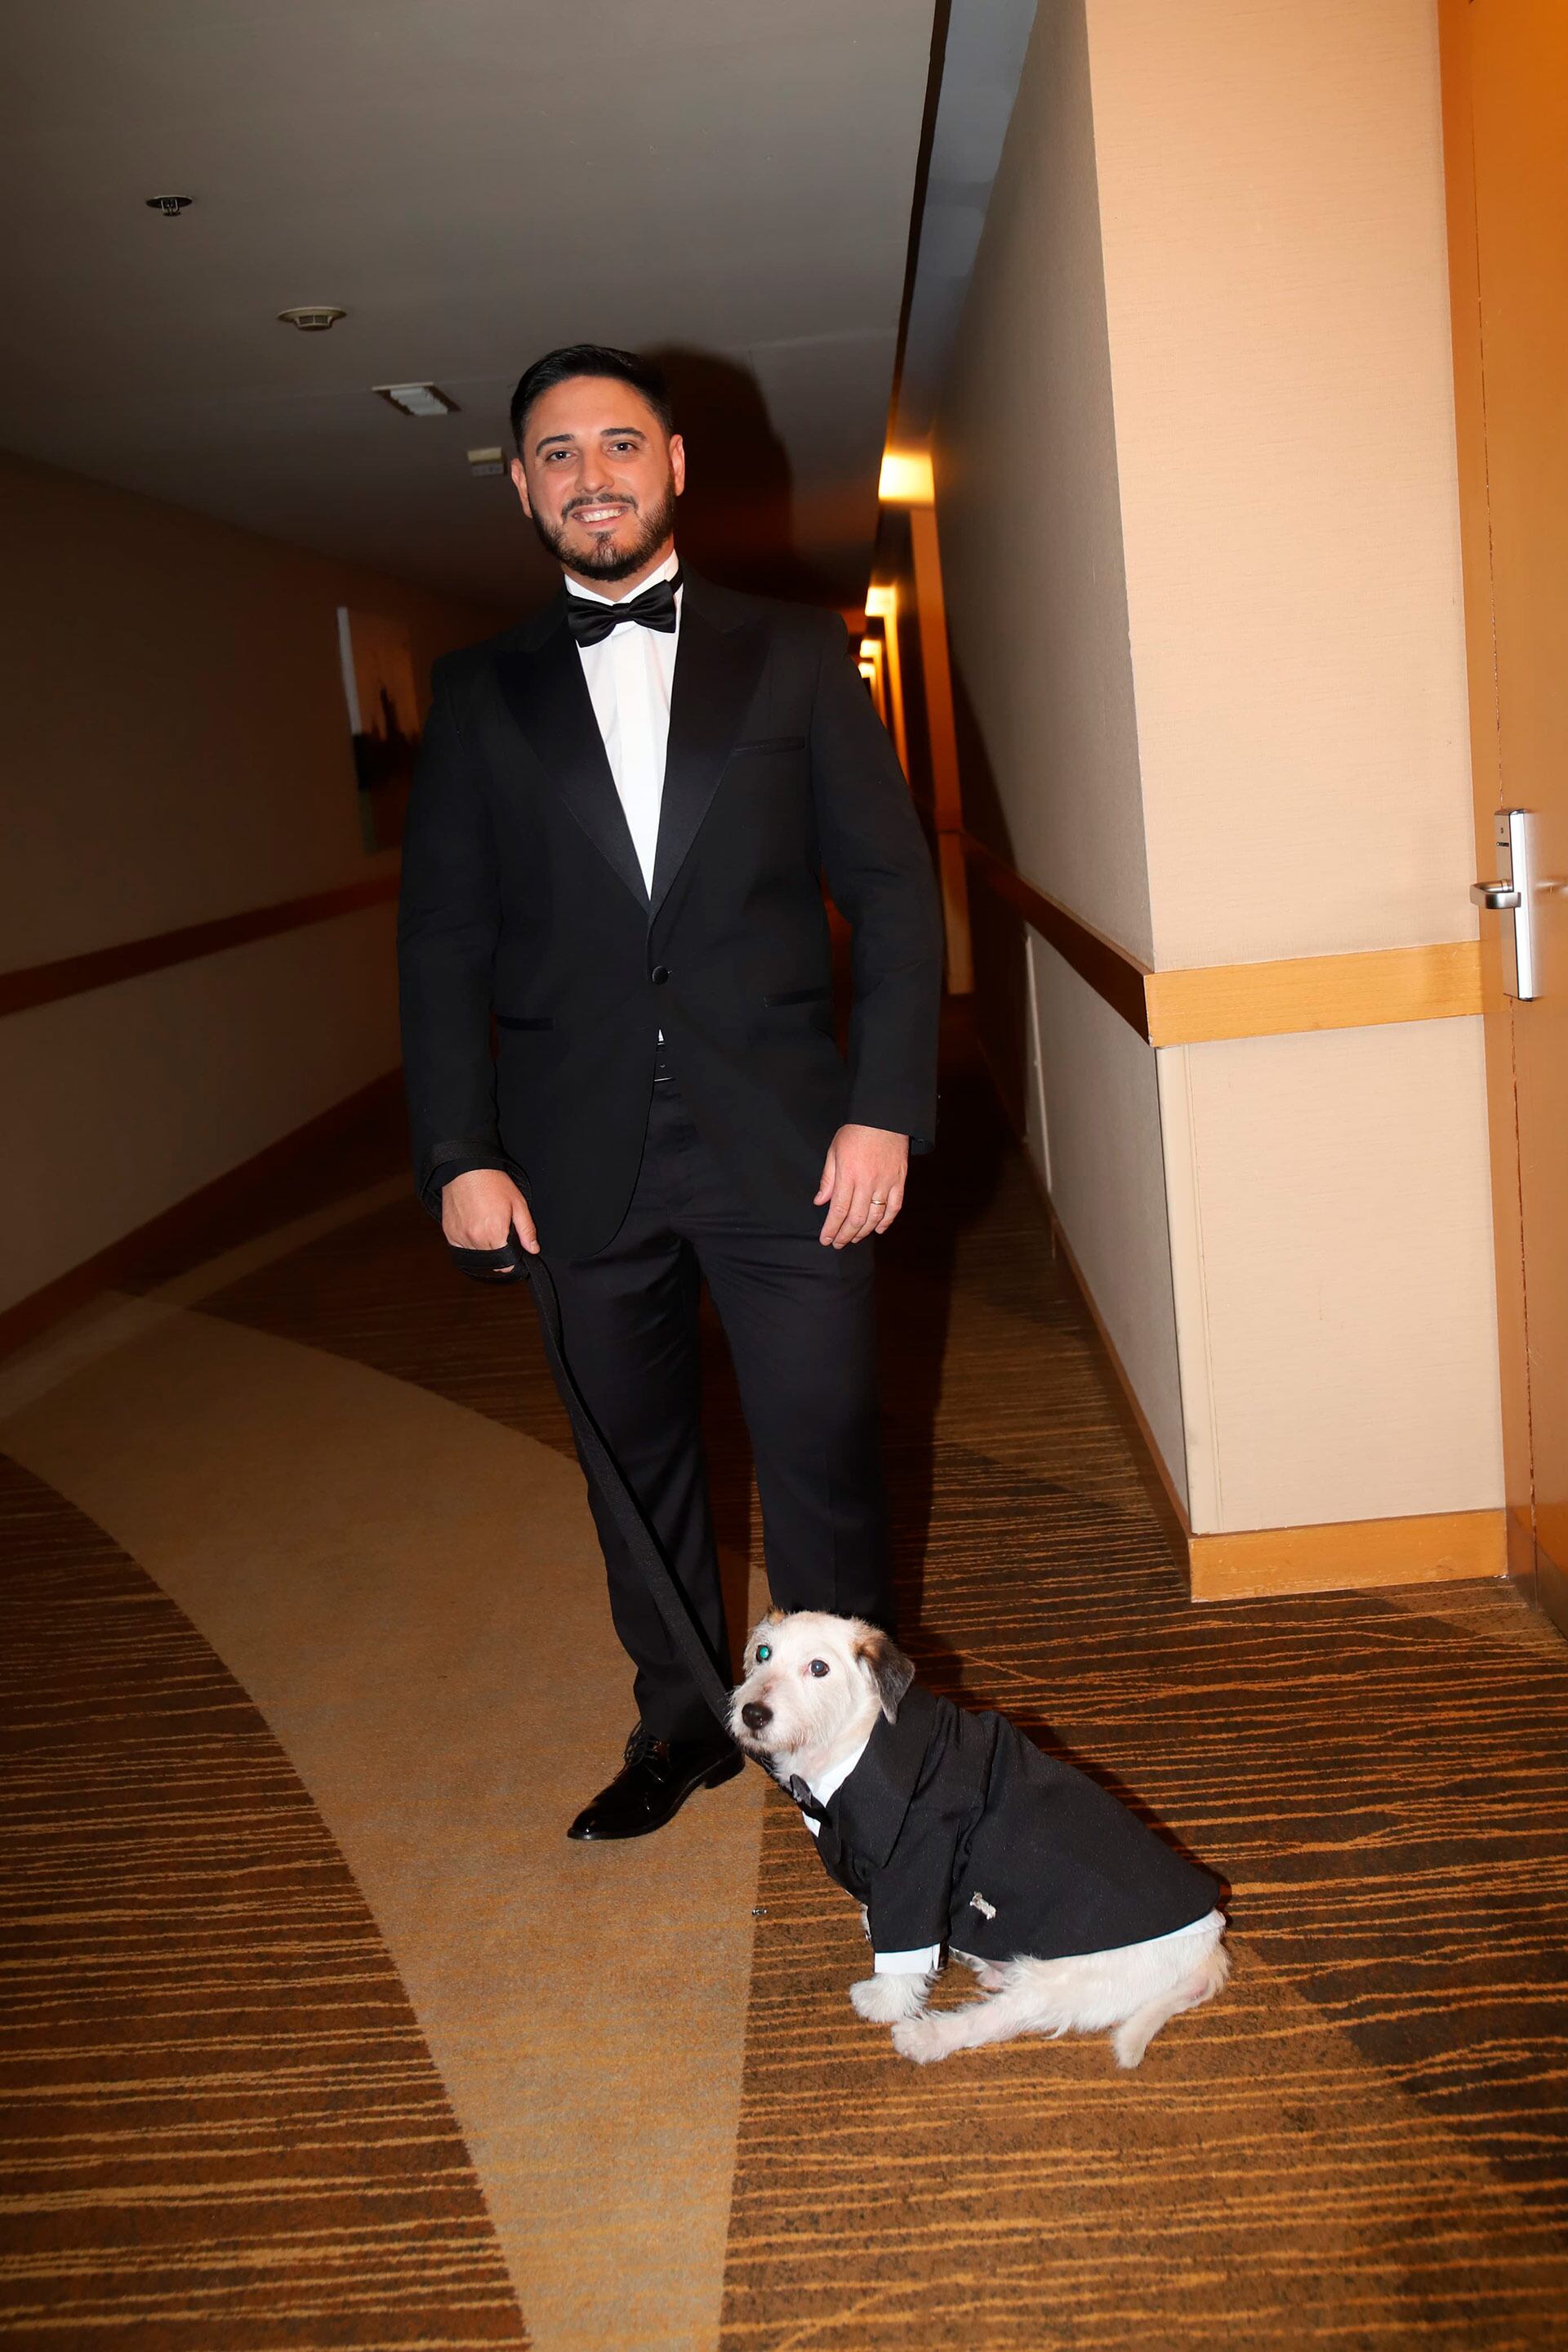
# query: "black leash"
{"type": "Point", "coordinates": [603, 1472]}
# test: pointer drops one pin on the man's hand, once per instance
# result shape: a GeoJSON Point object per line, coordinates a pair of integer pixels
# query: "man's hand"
{"type": "Point", "coordinates": [479, 1209]}
{"type": "Point", "coordinates": [862, 1182]}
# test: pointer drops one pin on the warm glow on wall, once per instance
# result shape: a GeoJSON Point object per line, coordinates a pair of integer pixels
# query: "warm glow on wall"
{"type": "Point", "coordinates": [905, 478]}
{"type": "Point", "coordinates": [881, 603]}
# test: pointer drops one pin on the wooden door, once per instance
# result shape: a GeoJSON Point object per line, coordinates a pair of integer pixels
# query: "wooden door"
{"type": "Point", "coordinates": [1505, 79]}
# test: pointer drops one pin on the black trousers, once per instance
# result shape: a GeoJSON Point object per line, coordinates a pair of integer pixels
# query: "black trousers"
{"type": "Point", "coordinates": [799, 1321]}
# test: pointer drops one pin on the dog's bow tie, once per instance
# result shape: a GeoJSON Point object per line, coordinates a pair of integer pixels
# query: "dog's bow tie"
{"type": "Point", "coordinates": [590, 622]}
{"type": "Point", "coordinates": [806, 1801]}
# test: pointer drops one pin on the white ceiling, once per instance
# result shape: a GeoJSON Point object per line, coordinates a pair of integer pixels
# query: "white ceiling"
{"type": "Point", "coordinates": [474, 181]}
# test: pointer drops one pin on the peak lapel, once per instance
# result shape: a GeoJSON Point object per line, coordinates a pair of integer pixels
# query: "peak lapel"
{"type": "Point", "coordinates": [548, 696]}
{"type": "Point", "coordinates": [868, 1811]}
{"type": "Point", "coordinates": [716, 669]}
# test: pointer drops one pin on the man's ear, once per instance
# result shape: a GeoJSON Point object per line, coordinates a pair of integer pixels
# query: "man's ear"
{"type": "Point", "coordinates": [890, 1670]}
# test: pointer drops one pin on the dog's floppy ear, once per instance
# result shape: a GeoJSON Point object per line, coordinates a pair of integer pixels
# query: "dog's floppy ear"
{"type": "Point", "coordinates": [888, 1668]}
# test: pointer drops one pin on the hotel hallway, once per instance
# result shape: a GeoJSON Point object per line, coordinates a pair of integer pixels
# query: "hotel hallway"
{"type": "Point", "coordinates": [317, 2032]}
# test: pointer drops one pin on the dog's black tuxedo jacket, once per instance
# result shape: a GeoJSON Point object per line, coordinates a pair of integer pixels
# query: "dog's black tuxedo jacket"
{"type": "Point", "coordinates": [522, 896]}
{"type": "Point", "coordinates": [949, 1811]}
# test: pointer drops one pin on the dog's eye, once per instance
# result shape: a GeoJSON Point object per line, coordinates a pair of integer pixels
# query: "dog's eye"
{"type": "Point", "coordinates": [765, 1652]}
{"type": "Point", "coordinates": [819, 1666]}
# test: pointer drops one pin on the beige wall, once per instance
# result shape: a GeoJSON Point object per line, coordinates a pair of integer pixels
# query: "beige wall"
{"type": "Point", "coordinates": [1266, 347]}
{"type": "Point", "coordinates": [1032, 558]}
{"type": "Point", "coordinates": [1331, 1226]}
{"type": "Point", "coordinates": [1030, 518]}
{"type": "Point", "coordinates": [1271, 191]}
{"type": "Point", "coordinates": [179, 752]}
{"type": "Point", "coordinates": [1094, 1127]}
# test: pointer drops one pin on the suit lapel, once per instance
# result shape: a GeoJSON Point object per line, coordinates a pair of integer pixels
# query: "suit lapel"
{"type": "Point", "coordinates": [543, 681]}
{"type": "Point", "coordinates": [716, 671]}
{"type": "Point", "coordinates": [868, 1813]}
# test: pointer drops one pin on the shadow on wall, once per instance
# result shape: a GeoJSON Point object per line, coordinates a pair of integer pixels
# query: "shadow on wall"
{"type": "Point", "coordinates": [997, 934]}
{"type": "Point", "coordinates": [737, 515]}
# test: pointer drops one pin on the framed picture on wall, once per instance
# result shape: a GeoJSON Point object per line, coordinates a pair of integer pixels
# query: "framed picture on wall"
{"type": "Point", "coordinates": [383, 719]}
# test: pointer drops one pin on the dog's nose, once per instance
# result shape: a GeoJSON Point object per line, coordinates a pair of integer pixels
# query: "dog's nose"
{"type": "Point", "coordinates": [753, 1714]}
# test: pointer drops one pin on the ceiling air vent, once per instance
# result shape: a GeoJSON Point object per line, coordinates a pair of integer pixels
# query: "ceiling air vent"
{"type": "Point", "coordinates": [485, 461]}
{"type": "Point", "coordinates": [416, 399]}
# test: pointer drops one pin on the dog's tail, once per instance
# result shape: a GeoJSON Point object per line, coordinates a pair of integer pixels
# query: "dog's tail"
{"type": "Point", "coordinates": [1201, 1983]}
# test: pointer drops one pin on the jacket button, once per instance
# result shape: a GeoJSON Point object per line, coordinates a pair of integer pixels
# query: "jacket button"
{"type": "Point", "coordinates": [659, 974]}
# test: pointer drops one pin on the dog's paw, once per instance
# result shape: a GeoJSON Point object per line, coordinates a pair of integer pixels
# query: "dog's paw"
{"type": "Point", "coordinates": [924, 2039]}
{"type": "Point", "coordinates": [882, 2001]}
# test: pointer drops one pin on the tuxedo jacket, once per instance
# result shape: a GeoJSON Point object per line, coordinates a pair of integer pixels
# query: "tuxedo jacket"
{"type": "Point", "coordinates": [522, 895]}
{"type": "Point", "coordinates": [955, 1829]}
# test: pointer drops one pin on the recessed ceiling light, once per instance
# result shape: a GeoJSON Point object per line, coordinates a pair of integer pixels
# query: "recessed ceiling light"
{"type": "Point", "coordinates": [485, 461]}
{"type": "Point", "coordinates": [416, 399]}
{"type": "Point", "coordinates": [311, 318]}
{"type": "Point", "coordinates": [170, 206]}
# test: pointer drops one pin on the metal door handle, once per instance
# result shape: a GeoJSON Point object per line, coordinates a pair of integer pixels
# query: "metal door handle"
{"type": "Point", "coordinates": [1512, 896]}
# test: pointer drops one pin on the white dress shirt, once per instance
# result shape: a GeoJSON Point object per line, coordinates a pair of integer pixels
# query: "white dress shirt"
{"type": "Point", "coordinates": [884, 1964]}
{"type": "Point", "coordinates": [629, 674]}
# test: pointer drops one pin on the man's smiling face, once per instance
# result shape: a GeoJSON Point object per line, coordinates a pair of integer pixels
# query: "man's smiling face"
{"type": "Point", "coordinates": [598, 478]}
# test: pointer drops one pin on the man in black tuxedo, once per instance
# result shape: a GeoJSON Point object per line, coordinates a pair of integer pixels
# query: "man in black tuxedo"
{"type": "Point", "coordinates": [622, 816]}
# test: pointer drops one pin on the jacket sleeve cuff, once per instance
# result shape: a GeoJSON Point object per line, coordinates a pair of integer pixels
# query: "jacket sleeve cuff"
{"type": "Point", "coordinates": [923, 1962]}
{"type": "Point", "coordinates": [894, 1119]}
{"type": "Point", "coordinates": [457, 1160]}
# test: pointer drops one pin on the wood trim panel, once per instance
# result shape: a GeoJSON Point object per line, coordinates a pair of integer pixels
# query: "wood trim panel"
{"type": "Point", "coordinates": [46, 984]}
{"type": "Point", "coordinates": [1204, 1003]}
{"type": "Point", "coordinates": [251, 1188]}
{"type": "Point", "coordinates": [942, 731]}
{"type": "Point", "coordinates": [1306, 992]}
{"type": "Point", "coordinates": [1109, 971]}
{"type": "Point", "coordinates": [1349, 1555]}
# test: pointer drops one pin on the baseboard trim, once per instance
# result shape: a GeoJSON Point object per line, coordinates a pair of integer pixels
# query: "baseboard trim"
{"type": "Point", "coordinates": [1349, 1555]}
{"type": "Point", "coordinates": [234, 1189]}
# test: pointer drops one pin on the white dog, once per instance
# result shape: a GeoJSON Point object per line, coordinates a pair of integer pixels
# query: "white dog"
{"type": "Point", "coordinates": [954, 1831]}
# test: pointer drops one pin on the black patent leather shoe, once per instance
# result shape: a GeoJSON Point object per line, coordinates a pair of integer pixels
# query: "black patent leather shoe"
{"type": "Point", "coordinates": [655, 1781]}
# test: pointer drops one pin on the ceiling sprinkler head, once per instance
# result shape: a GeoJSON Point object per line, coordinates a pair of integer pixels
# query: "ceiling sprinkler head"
{"type": "Point", "coordinates": [312, 318]}
{"type": "Point", "coordinates": [170, 206]}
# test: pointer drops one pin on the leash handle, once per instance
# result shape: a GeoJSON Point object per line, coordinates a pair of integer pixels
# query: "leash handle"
{"type": "Point", "coordinates": [603, 1472]}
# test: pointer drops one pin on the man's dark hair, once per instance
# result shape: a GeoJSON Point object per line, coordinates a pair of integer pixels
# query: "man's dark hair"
{"type": "Point", "coordinates": [589, 359]}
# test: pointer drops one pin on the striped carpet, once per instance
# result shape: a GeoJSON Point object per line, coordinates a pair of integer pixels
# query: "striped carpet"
{"type": "Point", "coordinates": [1364, 2141]}
{"type": "Point", "coordinates": [219, 2123]}
{"type": "Point", "coordinates": [1360, 2144]}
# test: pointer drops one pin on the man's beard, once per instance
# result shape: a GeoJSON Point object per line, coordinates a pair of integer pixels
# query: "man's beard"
{"type": "Point", "coordinates": [605, 559]}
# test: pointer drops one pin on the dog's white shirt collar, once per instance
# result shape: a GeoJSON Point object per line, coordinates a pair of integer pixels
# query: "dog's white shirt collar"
{"type": "Point", "coordinates": [832, 1780]}
{"type": "Point", "coordinates": [923, 1962]}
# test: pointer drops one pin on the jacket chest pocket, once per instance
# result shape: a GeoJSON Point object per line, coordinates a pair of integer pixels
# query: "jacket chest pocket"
{"type": "Point", "coordinates": [758, 747]}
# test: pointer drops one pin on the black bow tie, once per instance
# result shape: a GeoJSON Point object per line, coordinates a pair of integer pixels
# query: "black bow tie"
{"type": "Point", "coordinates": [590, 622]}
{"type": "Point", "coordinates": [806, 1801]}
